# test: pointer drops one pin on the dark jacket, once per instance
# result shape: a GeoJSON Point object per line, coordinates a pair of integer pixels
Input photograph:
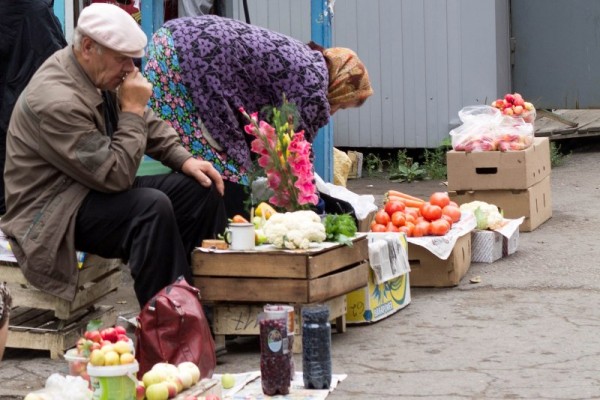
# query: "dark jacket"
{"type": "Point", "coordinates": [29, 34]}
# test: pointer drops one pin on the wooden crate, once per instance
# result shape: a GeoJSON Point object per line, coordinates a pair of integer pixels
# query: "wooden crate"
{"type": "Point", "coordinates": [37, 329]}
{"type": "Point", "coordinates": [241, 319]}
{"type": "Point", "coordinates": [97, 277]}
{"type": "Point", "coordinates": [283, 276]}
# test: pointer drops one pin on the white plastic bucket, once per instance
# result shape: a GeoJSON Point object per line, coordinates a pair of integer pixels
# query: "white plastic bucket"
{"type": "Point", "coordinates": [115, 382]}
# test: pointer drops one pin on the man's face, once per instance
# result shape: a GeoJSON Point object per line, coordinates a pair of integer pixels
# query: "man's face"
{"type": "Point", "coordinates": [108, 68]}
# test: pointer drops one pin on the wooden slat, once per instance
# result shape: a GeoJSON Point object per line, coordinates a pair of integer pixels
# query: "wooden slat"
{"type": "Point", "coordinates": [281, 264]}
{"type": "Point", "coordinates": [338, 258]}
{"type": "Point", "coordinates": [252, 289]}
{"type": "Point", "coordinates": [202, 389]}
{"type": "Point", "coordinates": [89, 295]}
{"type": "Point", "coordinates": [11, 273]}
{"type": "Point", "coordinates": [339, 283]}
{"type": "Point", "coordinates": [57, 340]}
{"type": "Point", "coordinates": [283, 290]}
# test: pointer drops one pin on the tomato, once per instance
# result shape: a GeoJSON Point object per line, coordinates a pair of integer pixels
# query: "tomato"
{"type": "Point", "coordinates": [391, 227]}
{"type": "Point", "coordinates": [440, 199]}
{"type": "Point", "coordinates": [398, 218]}
{"type": "Point", "coordinates": [410, 227]}
{"type": "Point", "coordinates": [378, 228]}
{"type": "Point", "coordinates": [453, 212]}
{"type": "Point", "coordinates": [405, 230]}
{"type": "Point", "coordinates": [421, 229]}
{"type": "Point", "coordinates": [430, 211]}
{"type": "Point", "coordinates": [439, 227]}
{"type": "Point", "coordinates": [453, 204]}
{"type": "Point", "coordinates": [447, 218]}
{"type": "Point", "coordinates": [412, 211]}
{"type": "Point", "coordinates": [393, 206]}
{"type": "Point", "coordinates": [381, 217]}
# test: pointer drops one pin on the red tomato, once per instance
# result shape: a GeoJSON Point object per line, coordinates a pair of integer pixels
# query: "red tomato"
{"type": "Point", "coordinates": [453, 212]}
{"type": "Point", "coordinates": [439, 227]}
{"type": "Point", "coordinates": [393, 206]}
{"type": "Point", "coordinates": [410, 227]}
{"type": "Point", "coordinates": [430, 211]}
{"type": "Point", "coordinates": [378, 228]}
{"type": "Point", "coordinates": [391, 227]}
{"type": "Point", "coordinates": [406, 230]}
{"type": "Point", "coordinates": [440, 199]}
{"type": "Point", "coordinates": [452, 204]}
{"type": "Point", "coordinates": [421, 229]}
{"type": "Point", "coordinates": [398, 218]}
{"type": "Point", "coordinates": [447, 218]}
{"type": "Point", "coordinates": [410, 218]}
{"type": "Point", "coordinates": [381, 217]}
{"type": "Point", "coordinates": [412, 211]}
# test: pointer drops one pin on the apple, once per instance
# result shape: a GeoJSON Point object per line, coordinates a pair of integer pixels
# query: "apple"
{"type": "Point", "coordinates": [228, 381]}
{"type": "Point", "coordinates": [109, 334]}
{"type": "Point", "coordinates": [120, 330]}
{"type": "Point", "coordinates": [157, 391]}
{"type": "Point", "coordinates": [172, 388]}
{"type": "Point", "coordinates": [111, 358]}
{"type": "Point", "coordinates": [212, 397]}
{"type": "Point", "coordinates": [97, 358]}
{"type": "Point", "coordinates": [122, 338]}
{"type": "Point", "coordinates": [186, 378]}
{"type": "Point", "coordinates": [169, 370]}
{"type": "Point", "coordinates": [152, 377]}
{"type": "Point", "coordinates": [94, 336]}
{"type": "Point", "coordinates": [518, 110]}
{"type": "Point", "coordinates": [122, 347]}
{"type": "Point", "coordinates": [126, 358]}
{"type": "Point", "coordinates": [107, 347]}
{"type": "Point", "coordinates": [192, 368]}
{"type": "Point", "coordinates": [140, 391]}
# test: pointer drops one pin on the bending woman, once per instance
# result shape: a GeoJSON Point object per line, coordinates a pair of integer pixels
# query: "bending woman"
{"type": "Point", "coordinates": [205, 68]}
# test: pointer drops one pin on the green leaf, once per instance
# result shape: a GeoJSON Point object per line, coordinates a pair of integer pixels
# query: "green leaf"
{"type": "Point", "coordinates": [94, 325]}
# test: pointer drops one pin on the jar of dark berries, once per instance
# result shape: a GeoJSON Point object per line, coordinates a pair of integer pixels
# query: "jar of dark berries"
{"type": "Point", "coordinates": [274, 357]}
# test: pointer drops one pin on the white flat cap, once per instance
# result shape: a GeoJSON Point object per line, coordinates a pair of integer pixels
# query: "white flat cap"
{"type": "Point", "coordinates": [113, 27]}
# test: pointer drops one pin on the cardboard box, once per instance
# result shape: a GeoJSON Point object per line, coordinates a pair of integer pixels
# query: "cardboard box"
{"type": "Point", "coordinates": [486, 246]}
{"type": "Point", "coordinates": [534, 203]}
{"type": "Point", "coordinates": [429, 271]}
{"type": "Point", "coordinates": [493, 170]}
{"type": "Point", "coordinates": [356, 168]}
{"type": "Point", "coordinates": [364, 225]}
{"type": "Point", "coordinates": [511, 244]}
{"type": "Point", "coordinates": [378, 301]}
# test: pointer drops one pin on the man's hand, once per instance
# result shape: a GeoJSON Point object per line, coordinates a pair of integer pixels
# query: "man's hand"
{"type": "Point", "coordinates": [204, 172]}
{"type": "Point", "coordinates": [134, 93]}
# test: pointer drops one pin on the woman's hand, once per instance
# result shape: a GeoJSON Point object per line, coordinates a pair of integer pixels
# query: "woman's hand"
{"type": "Point", "coordinates": [204, 172]}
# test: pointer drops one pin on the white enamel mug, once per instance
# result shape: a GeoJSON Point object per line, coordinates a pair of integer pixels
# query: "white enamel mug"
{"type": "Point", "coordinates": [240, 236]}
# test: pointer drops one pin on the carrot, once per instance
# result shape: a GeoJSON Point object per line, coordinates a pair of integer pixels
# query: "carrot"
{"type": "Point", "coordinates": [407, 202]}
{"type": "Point", "coordinates": [404, 195]}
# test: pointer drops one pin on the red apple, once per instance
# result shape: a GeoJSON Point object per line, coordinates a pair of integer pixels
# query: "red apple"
{"type": "Point", "coordinates": [94, 336]}
{"type": "Point", "coordinates": [120, 330]}
{"type": "Point", "coordinates": [509, 98]}
{"type": "Point", "coordinates": [140, 391]}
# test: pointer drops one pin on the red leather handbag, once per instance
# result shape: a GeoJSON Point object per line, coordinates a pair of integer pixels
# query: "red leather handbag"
{"type": "Point", "coordinates": [173, 328]}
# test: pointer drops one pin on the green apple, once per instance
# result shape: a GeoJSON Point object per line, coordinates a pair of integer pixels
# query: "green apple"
{"type": "Point", "coordinates": [228, 381]}
{"type": "Point", "coordinates": [157, 391]}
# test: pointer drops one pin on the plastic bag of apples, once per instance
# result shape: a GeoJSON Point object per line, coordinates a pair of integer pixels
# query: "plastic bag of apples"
{"type": "Point", "coordinates": [487, 128]}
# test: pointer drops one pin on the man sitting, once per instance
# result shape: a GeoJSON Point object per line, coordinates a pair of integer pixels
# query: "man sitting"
{"type": "Point", "coordinates": [75, 141]}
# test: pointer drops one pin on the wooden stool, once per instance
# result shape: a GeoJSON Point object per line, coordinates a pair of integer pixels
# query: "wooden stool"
{"type": "Point", "coordinates": [41, 321]}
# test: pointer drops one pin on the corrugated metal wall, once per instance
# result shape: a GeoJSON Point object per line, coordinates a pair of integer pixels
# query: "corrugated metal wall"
{"type": "Point", "coordinates": [426, 59]}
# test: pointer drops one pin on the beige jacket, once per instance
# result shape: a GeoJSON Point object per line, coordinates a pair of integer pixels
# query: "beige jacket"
{"type": "Point", "coordinates": [57, 151]}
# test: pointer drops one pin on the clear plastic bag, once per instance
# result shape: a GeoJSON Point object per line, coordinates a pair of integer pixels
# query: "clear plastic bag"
{"type": "Point", "coordinates": [485, 128]}
{"type": "Point", "coordinates": [60, 387]}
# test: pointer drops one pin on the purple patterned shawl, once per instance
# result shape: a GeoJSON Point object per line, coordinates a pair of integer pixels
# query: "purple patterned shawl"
{"type": "Point", "coordinates": [227, 64]}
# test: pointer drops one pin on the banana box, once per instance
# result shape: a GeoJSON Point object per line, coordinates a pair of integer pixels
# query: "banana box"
{"type": "Point", "coordinates": [388, 288]}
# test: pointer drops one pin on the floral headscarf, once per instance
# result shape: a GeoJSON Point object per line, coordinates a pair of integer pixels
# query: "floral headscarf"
{"type": "Point", "coordinates": [349, 83]}
{"type": "Point", "coordinates": [5, 303]}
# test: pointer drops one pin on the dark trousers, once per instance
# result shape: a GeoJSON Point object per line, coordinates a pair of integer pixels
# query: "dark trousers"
{"type": "Point", "coordinates": [153, 227]}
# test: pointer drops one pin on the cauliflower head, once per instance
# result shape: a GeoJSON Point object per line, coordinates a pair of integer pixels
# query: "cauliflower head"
{"type": "Point", "coordinates": [294, 230]}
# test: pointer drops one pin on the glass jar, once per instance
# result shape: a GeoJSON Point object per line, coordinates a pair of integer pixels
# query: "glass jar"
{"type": "Point", "coordinates": [316, 347]}
{"type": "Point", "coordinates": [274, 358]}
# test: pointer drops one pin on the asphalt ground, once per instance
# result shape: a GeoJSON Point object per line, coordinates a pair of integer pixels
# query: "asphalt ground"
{"type": "Point", "coordinates": [528, 330]}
